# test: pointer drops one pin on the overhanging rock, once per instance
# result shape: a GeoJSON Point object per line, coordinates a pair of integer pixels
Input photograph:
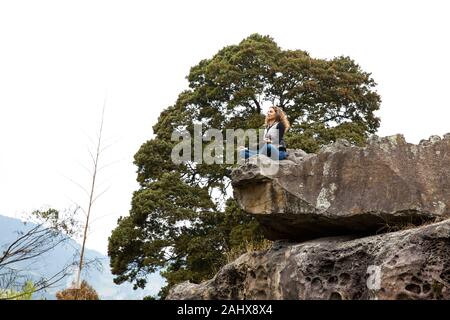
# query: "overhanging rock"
{"type": "Point", "coordinates": [345, 189]}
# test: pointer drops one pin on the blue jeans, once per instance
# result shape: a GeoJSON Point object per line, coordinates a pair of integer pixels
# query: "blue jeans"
{"type": "Point", "coordinates": [274, 152]}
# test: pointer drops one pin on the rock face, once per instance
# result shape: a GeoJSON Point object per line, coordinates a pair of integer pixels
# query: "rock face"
{"type": "Point", "coordinates": [409, 264]}
{"type": "Point", "coordinates": [346, 189]}
{"type": "Point", "coordinates": [333, 215]}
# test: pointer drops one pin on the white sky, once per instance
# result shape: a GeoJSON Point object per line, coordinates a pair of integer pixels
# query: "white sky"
{"type": "Point", "coordinates": [58, 58]}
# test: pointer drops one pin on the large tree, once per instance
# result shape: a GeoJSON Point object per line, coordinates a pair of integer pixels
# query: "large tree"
{"type": "Point", "coordinates": [182, 221]}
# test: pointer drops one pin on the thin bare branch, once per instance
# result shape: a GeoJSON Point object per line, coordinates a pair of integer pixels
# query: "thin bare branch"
{"type": "Point", "coordinates": [84, 167]}
{"type": "Point", "coordinates": [108, 146]}
{"type": "Point", "coordinates": [76, 203]}
{"type": "Point", "coordinates": [107, 165]}
{"type": "Point", "coordinates": [100, 194]}
{"type": "Point", "coordinates": [76, 183]}
{"type": "Point", "coordinates": [92, 157]}
{"type": "Point", "coordinates": [103, 216]}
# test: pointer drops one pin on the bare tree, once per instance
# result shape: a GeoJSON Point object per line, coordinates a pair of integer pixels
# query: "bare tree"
{"type": "Point", "coordinates": [93, 197]}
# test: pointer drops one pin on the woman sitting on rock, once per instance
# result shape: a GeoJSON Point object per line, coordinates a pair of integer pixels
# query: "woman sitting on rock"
{"type": "Point", "coordinates": [274, 146]}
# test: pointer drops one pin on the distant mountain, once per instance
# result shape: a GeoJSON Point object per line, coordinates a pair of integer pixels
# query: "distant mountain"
{"type": "Point", "coordinates": [100, 279]}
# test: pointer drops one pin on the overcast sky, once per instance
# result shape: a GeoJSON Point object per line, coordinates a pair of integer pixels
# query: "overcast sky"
{"type": "Point", "coordinates": [59, 59]}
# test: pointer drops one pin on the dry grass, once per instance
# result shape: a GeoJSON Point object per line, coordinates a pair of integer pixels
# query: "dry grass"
{"type": "Point", "coordinates": [248, 247]}
{"type": "Point", "coordinates": [407, 225]}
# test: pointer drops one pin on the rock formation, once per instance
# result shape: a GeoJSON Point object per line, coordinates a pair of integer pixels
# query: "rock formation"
{"type": "Point", "coordinates": [409, 264]}
{"type": "Point", "coordinates": [346, 189]}
{"type": "Point", "coordinates": [333, 215]}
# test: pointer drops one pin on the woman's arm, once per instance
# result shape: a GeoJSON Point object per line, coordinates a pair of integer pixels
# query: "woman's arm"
{"type": "Point", "coordinates": [281, 130]}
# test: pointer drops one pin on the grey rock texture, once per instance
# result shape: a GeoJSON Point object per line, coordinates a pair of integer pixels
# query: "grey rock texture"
{"type": "Point", "coordinates": [345, 189]}
{"type": "Point", "coordinates": [334, 215]}
{"type": "Point", "coordinates": [409, 264]}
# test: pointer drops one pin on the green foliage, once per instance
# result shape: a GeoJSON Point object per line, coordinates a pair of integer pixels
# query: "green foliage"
{"type": "Point", "coordinates": [25, 294]}
{"type": "Point", "coordinates": [56, 221]}
{"type": "Point", "coordinates": [175, 224]}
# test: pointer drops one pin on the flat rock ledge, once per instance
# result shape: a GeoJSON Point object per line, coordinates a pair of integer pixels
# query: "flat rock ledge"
{"type": "Point", "coordinates": [346, 189]}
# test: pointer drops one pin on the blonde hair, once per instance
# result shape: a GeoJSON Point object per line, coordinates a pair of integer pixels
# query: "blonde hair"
{"type": "Point", "coordinates": [280, 116]}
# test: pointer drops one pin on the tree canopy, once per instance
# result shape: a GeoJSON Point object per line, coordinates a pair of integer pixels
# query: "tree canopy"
{"type": "Point", "coordinates": [182, 219]}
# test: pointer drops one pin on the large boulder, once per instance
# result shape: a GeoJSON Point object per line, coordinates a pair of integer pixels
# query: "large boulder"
{"type": "Point", "coordinates": [408, 264]}
{"type": "Point", "coordinates": [346, 189]}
